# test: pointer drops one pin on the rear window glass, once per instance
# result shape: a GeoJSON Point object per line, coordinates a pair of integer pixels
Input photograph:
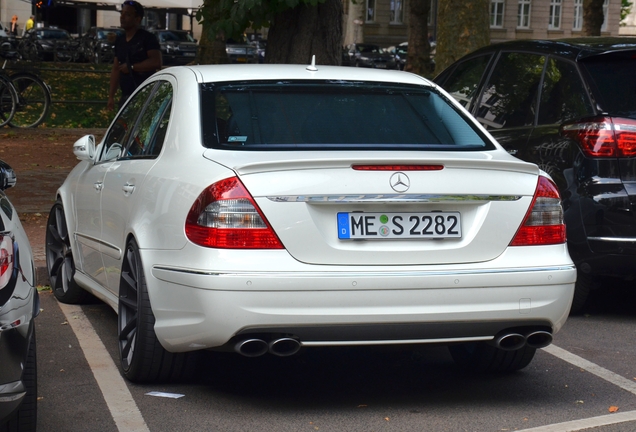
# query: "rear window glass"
{"type": "Point", "coordinates": [336, 115]}
{"type": "Point", "coordinates": [614, 78]}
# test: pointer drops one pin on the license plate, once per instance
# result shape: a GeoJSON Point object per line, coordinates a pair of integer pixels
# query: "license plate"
{"type": "Point", "coordinates": [380, 66]}
{"type": "Point", "coordinates": [189, 54]}
{"type": "Point", "coordinates": [241, 59]}
{"type": "Point", "coordinates": [427, 225]}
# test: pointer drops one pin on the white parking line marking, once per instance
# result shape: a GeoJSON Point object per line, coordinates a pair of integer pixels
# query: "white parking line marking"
{"type": "Point", "coordinates": [120, 402]}
{"type": "Point", "coordinates": [593, 368]}
{"type": "Point", "coordinates": [579, 425]}
{"type": "Point", "coordinates": [607, 375]}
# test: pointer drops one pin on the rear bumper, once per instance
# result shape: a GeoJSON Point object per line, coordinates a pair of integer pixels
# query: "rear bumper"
{"type": "Point", "coordinates": [199, 309]}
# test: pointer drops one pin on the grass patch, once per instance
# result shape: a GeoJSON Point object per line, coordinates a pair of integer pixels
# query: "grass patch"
{"type": "Point", "coordinates": [79, 93]}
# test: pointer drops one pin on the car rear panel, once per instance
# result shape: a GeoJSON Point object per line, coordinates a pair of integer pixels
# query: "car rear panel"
{"type": "Point", "coordinates": [302, 202]}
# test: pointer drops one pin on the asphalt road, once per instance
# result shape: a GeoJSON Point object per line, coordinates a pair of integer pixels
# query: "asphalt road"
{"type": "Point", "coordinates": [589, 371]}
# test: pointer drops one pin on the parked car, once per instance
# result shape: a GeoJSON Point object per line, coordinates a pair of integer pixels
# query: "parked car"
{"type": "Point", "coordinates": [235, 207]}
{"type": "Point", "coordinates": [241, 52]}
{"type": "Point", "coordinates": [97, 45]}
{"type": "Point", "coordinates": [568, 106]}
{"type": "Point", "coordinates": [49, 44]}
{"type": "Point", "coordinates": [19, 305]}
{"type": "Point", "coordinates": [178, 47]}
{"type": "Point", "coordinates": [370, 56]}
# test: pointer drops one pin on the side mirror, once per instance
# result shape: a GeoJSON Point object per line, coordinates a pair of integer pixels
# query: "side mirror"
{"type": "Point", "coordinates": [84, 148]}
{"type": "Point", "coordinates": [7, 176]}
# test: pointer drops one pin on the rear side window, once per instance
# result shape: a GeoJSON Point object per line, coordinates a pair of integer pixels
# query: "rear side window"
{"type": "Point", "coordinates": [334, 115]}
{"type": "Point", "coordinates": [613, 76]}
{"type": "Point", "coordinates": [563, 95]}
{"type": "Point", "coordinates": [510, 97]}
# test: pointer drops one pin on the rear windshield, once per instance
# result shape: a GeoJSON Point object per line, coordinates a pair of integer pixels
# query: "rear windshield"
{"type": "Point", "coordinates": [613, 77]}
{"type": "Point", "coordinates": [335, 115]}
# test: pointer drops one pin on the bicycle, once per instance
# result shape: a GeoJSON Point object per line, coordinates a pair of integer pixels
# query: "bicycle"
{"type": "Point", "coordinates": [32, 99]}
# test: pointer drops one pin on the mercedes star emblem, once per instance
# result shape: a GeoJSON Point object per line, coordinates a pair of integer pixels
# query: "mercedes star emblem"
{"type": "Point", "coordinates": [400, 182]}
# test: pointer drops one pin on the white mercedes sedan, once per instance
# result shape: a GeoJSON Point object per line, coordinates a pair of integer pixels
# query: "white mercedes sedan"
{"type": "Point", "coordinates": [275, 208]}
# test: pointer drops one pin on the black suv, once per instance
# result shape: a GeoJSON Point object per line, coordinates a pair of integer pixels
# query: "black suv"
{"type": "Point", "coordinates": [570, 107]}
{"type": "Point", "coordinates": [178, 47]}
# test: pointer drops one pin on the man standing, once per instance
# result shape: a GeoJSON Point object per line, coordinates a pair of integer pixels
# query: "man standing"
{"type": "Point", "coordinates": [137, 54]}
{"type": "Point", "coordinates": [29, 24]}
{"type": "Point", "coordinates": [14, 25]}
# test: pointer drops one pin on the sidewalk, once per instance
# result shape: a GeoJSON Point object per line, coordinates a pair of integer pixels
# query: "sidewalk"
{"type": "Point", "coordinates": [41, 159]}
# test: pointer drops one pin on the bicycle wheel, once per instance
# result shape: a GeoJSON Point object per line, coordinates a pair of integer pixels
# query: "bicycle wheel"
{"type": "Point", "coordinates": [8, 101]}
{"type": "Point", "coordinates": [34, 100]}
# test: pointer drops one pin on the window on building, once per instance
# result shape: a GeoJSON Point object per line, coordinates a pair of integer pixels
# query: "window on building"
{"type": "Point", "coordinates": [554, 22]}
{"type": "Point", "coordinates": [370, 11]}
{"type": "Point", "coordinates": [605, 9]}
{"type": "Point", "coordinates": [523, 14]}
{"type": "Point", "coordinates": [496, 13]}
{"type": "Point", "coordinates": [578, 15]}
{"type": "Point", "coordinates": [397, 11]}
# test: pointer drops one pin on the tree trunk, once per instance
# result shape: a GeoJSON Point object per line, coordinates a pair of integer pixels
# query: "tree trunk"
{"type": "Point", "coordinates": [462, 27]}
{"type": "Point", "coordinates": [297, 34]}
{"type": "Point", "coordinates": [592, 17]}
{"type": "Point", "coordinates": [419, 52]}
{"type": "Point", "coordinates": [211, 49]}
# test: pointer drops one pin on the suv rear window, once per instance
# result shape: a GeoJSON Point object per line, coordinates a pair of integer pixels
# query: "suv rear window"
{"type": "Point", "coordinates": [334, 115]}
{"type": "Point", "coordinates": [613, 76]}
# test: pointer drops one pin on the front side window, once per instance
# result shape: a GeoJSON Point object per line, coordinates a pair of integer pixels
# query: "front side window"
{"type": "Point", "coordinates": [510, 97]}
{"type": "Point", "coordinates": [554, 19]}
{"type": "Point", "coordinates": [124, 124]}
{"type": "Point", "coordinates": [523, 14]}
{"type": "Point", "coordinates": [463, 82]}
{"type": "Point", "coordinates": [370, 11]}
{"type": "Point", "coordinates": [496, 13]}
{"type": "Point", "coordinates": [397, 13]}
{"type": "Point", "coordinates": [578, 15]}
{"type": "Point", "coordinates": [310, 115]}
{"type": "Point", "coordinates": [147, 139]}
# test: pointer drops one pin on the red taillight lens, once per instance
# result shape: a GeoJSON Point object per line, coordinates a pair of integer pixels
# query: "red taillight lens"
{"type": "Point", "coordinates": [604, 136]}
{"type": "Point", "coordinates": [226, 216]}
{"type": "Point", "coordinates": [397, 167]}
{"type": "Point", "coordinates": [6, 260]}
{"type": "Point", "coordinates": [543, 224]}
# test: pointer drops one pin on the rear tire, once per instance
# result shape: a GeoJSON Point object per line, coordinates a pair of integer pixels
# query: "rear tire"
{"type": "Point", "coordinates": [34, 100]}
{"type": "Point", "coordinates": [484, 358]}
{"type": "Point", "coordinates": [585, 284]}
{"type": "Point", "coordinates": [59, 259]}
{"type": "Point", "coordinates": [142, 357]}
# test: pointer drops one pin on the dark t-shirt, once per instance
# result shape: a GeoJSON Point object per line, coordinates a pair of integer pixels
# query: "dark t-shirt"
{"type": "Point", "coordinates": [131, 52]}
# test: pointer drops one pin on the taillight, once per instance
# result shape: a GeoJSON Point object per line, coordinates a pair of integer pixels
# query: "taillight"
{"type": "Point", "coordinates": [6, 260]}
{"type": "Point", "coordinates": [226, 216]}
{"type": "Point", "coordinates": [543, 224]}
{"type": "Point", "coordinates": [604, 136]}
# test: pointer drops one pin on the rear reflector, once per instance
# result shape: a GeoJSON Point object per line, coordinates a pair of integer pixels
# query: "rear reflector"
{"type": "Point", "coordinates": [226, 216]}
{"type": "Point", "coordinates": [397, 167]}
{"type": "Point", "coordinates": [543, 224]}
{"type": "Point", "coordinates": [6, 260]}
{"type": "Point", "coordinates": [604, 137]}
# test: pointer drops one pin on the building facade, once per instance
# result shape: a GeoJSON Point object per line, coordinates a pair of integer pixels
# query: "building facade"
{"type": "Point", "coordinates": [385, 22]}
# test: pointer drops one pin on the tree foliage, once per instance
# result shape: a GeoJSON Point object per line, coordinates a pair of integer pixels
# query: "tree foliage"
{"type": "Point", "coordinates": [462, 28]}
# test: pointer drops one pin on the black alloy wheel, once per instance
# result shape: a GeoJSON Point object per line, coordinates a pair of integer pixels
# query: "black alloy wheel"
{"type": "Point", "coordinates": [59, 259]}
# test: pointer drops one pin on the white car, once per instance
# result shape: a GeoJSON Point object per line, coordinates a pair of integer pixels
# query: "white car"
{"type": "Point", "coordinates": [272, 208]}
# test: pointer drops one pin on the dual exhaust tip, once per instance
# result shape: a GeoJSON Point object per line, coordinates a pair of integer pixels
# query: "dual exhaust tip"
{"type": "Point", "coordinates": [282, 347]}
{"type": "Point", "coordinates": [512, 341]}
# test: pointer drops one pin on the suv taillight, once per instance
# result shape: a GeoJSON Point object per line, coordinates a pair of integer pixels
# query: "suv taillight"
{"type": "Point", "coordinates": [604, 136]}
{"type": "Point", "coordinates": [6, 260]}
{"type": "Point", "coordinates": [226, 216]}
{"type": "Point", "coordinates": [543, 224]}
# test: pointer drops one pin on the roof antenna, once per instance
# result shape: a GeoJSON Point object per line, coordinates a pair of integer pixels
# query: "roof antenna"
{"type": "Point", "coordinates": [312, 67]}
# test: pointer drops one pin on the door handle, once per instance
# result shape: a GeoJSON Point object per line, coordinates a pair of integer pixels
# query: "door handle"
{"type": "Point", "coordinates": [128, 189]}
{"type": "Point", "coordinates": [98, 186]}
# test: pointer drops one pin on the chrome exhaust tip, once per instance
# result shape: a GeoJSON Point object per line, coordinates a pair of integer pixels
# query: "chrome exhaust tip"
{"type": "Point", "coordinates": [510, 341]}
{"type": "Point", "coordinates": [539, 339]}
{"type": "Point", "coordinates": [251, 347]}
{"type": "Point", "coordinates": [284, 347]}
